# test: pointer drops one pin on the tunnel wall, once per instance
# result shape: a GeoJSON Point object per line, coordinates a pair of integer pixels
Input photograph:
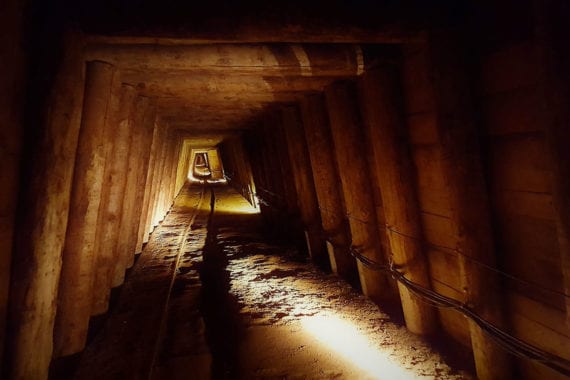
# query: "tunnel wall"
{"type": "Point", "coordinates": [519, 282]}
{"type": "Point", "coordinates": [42, 223]}
{"type": "Point", "coordinates": [49, 307]}
{"type": "Point", "coordinates": [521, 162]}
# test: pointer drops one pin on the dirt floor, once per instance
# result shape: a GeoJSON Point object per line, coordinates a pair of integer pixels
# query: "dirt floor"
{"type": "Point", "coordinates": [223, 300]}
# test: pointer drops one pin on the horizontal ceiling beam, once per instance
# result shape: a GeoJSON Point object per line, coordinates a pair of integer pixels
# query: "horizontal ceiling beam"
{"type": "Point", "coordinates": [237, 59]}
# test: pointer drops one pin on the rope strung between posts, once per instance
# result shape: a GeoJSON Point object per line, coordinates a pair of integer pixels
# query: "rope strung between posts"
{"type": "Point", "coordinates": [450, 251]}
{"type": "Point", "coordinates": [507, 341]}
{"type": "Point", "coordinates": [446, 250]}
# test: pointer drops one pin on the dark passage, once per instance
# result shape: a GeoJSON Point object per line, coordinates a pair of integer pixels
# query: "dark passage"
{"type": "Point", "coordinates": [213, 297]}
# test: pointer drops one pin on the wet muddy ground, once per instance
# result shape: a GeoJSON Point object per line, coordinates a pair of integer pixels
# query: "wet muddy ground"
{"type": "Point", "coordinates": [219, 299]}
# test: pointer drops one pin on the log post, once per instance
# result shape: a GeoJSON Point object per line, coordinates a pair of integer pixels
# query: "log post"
{"type": "Point", "coordinates": [277, 196]}
{"type": "Point", "coordinates": [142, 235]}
{"type": "Point", "coordinates": [254, 148]}
{"type": "Point", "coordinates": [276, 171]}
{"type": "Point", "coordinates": [142, 169]}
{"type": "Point", "coordinates": [462, 169]}
{"type": "Point", "coordinates": [75, 288]}
{"type": "Point", "coordinates": [380, 90]}
{"type": "Point", "coordinates": [156, 216]}
{"type": "Point", "coordinates": [39, 242]}
{"type": "Point", "coordinates": [348, 141]}
{"type": "Point", "coordinates": [304, 184]}
{"type": "Point", "coordinates": [156, 179]}
{"type": "Point", "coordinates": [170, 172]}
{"type": "Point", "coordinates": [292, 218]}
{"type": "Point", "coordinates": [117, 138]}
{"type": "Point", "coordinates": [326, 181]}
{"type": "Point", "coordinates": [126, 241]}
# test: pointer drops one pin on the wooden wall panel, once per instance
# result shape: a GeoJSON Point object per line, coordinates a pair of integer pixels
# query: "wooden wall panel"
{"type": "Point", "coordinates": [520, 175]}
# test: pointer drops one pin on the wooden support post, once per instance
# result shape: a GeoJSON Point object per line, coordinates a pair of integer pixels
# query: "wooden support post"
{"type": "Point", "coordinates": [551, 39]}
{"type": "Point", "coordinates": [381, 100]}
{"type": "Point", "coordinates": [304, 184]}
{"type": "Point", "coordinates": [468, 198]}
{"type": "Point", "coordinates": [292, 218]}
{"type": "Point", "coordinates": [273, 173]}
{"type": "Point", "coordinates": [75, 288]}
{"type": "Point", "coordinates": [166, 188]}
{"type": "Point", "coordinates": [326, 181]}
{"type": "Point", "coordinates": [275, 170]}
{"type": "Point", "coordinates": [126, 242]}
{"type": "Point", "coordinates": [174, 169]}
{"type": "Point", "coordinates": [348, 141]}
{"type": "Point", "coordinates": [36, 266]}
{"type": "Point", "coordinates": [259, 165]}
{"type": "Point", "coordinates": [117, 138]}
{"type": "Point", "coordinates": [183, 165]}
{"type": "Point", "coordinates": [148, 190]}
{"type": "Point", "coordinates": [216, 164]}
{"type": "Point", "coordinates": [164, 202]}
{"type": "Point", "coordinates": [156, 216]}
{"type": "Point", "coordinates": [253, 148]}
{"type": "Point", "coordinates": [143, 168]}
{"type": "Point", "coordinates": [156, 179]}
{"type": "Point", "coordinates": [327, 187]}
{"type": "Point", "coordinates": [174, 153]}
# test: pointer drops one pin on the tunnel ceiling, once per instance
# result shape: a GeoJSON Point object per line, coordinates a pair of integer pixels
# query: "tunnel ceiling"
{"type": "Point", "coordinates": [216, 69]}
{"type": "Point", "coordinates": [220, 87]}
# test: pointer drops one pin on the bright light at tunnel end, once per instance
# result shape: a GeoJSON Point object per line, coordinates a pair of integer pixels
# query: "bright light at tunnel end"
{"type": "Point", "coordinates": [195, 180]}
{"type": "Point", "coordinates": [344, 338]}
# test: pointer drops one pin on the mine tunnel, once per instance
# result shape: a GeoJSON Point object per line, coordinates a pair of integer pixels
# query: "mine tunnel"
{"type": "Point", "coordinates": [285, 190]}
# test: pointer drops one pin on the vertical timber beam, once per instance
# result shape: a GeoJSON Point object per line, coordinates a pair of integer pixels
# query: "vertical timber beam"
{"type": "Point", "coordinates": [395, 174]}
{"type": "Point", "coordinates": [117, 139]}
{"type": "Point", "coordinates": [75, 287]}
{"type": "Point", "coordinates": [275, 171]}
{"type": "Point", "coordinates": [304, 184]}
{"type": "Point", "coordinates": [552, 37]}
{"type": "Point", "coordinates": [156, 178]}
{"type": "Point", "coordinates": [348, 140]}
{"type": "Point", "coordinates": [156, 215]}
{"type": "Point", "coordinates": [182, 168]}
{"type": "Point", "coordinates": [468, 197]}
{"type": "Point", "coordinates": [148, 190]}
{"type": "Point", "coordinates": [143, 169]}
{"type": "Point", "coordinates": [303, 180]}
{"type": "Point", "coordinates": [284, 160]}
{"type": "Point", "coordinates": [36, 267]}
{"type": "Point", "coordinates": [176, 146]}
{"type": "Point", "coordinates": [125, 247]}
{"type": "Point", "coordinates": [276, 195]}
{"type": "Point", "coordinates": [168, 186]}
{"type": "Point", "coordinates": [326, 180]}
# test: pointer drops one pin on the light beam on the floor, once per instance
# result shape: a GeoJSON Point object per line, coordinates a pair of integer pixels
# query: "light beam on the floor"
{"type": "Point", "coordinates": [236, 205]}
{"type": "Point", "coordinates": [344, 338]}
{"type": "Point", "coordinates": [195, 180]}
